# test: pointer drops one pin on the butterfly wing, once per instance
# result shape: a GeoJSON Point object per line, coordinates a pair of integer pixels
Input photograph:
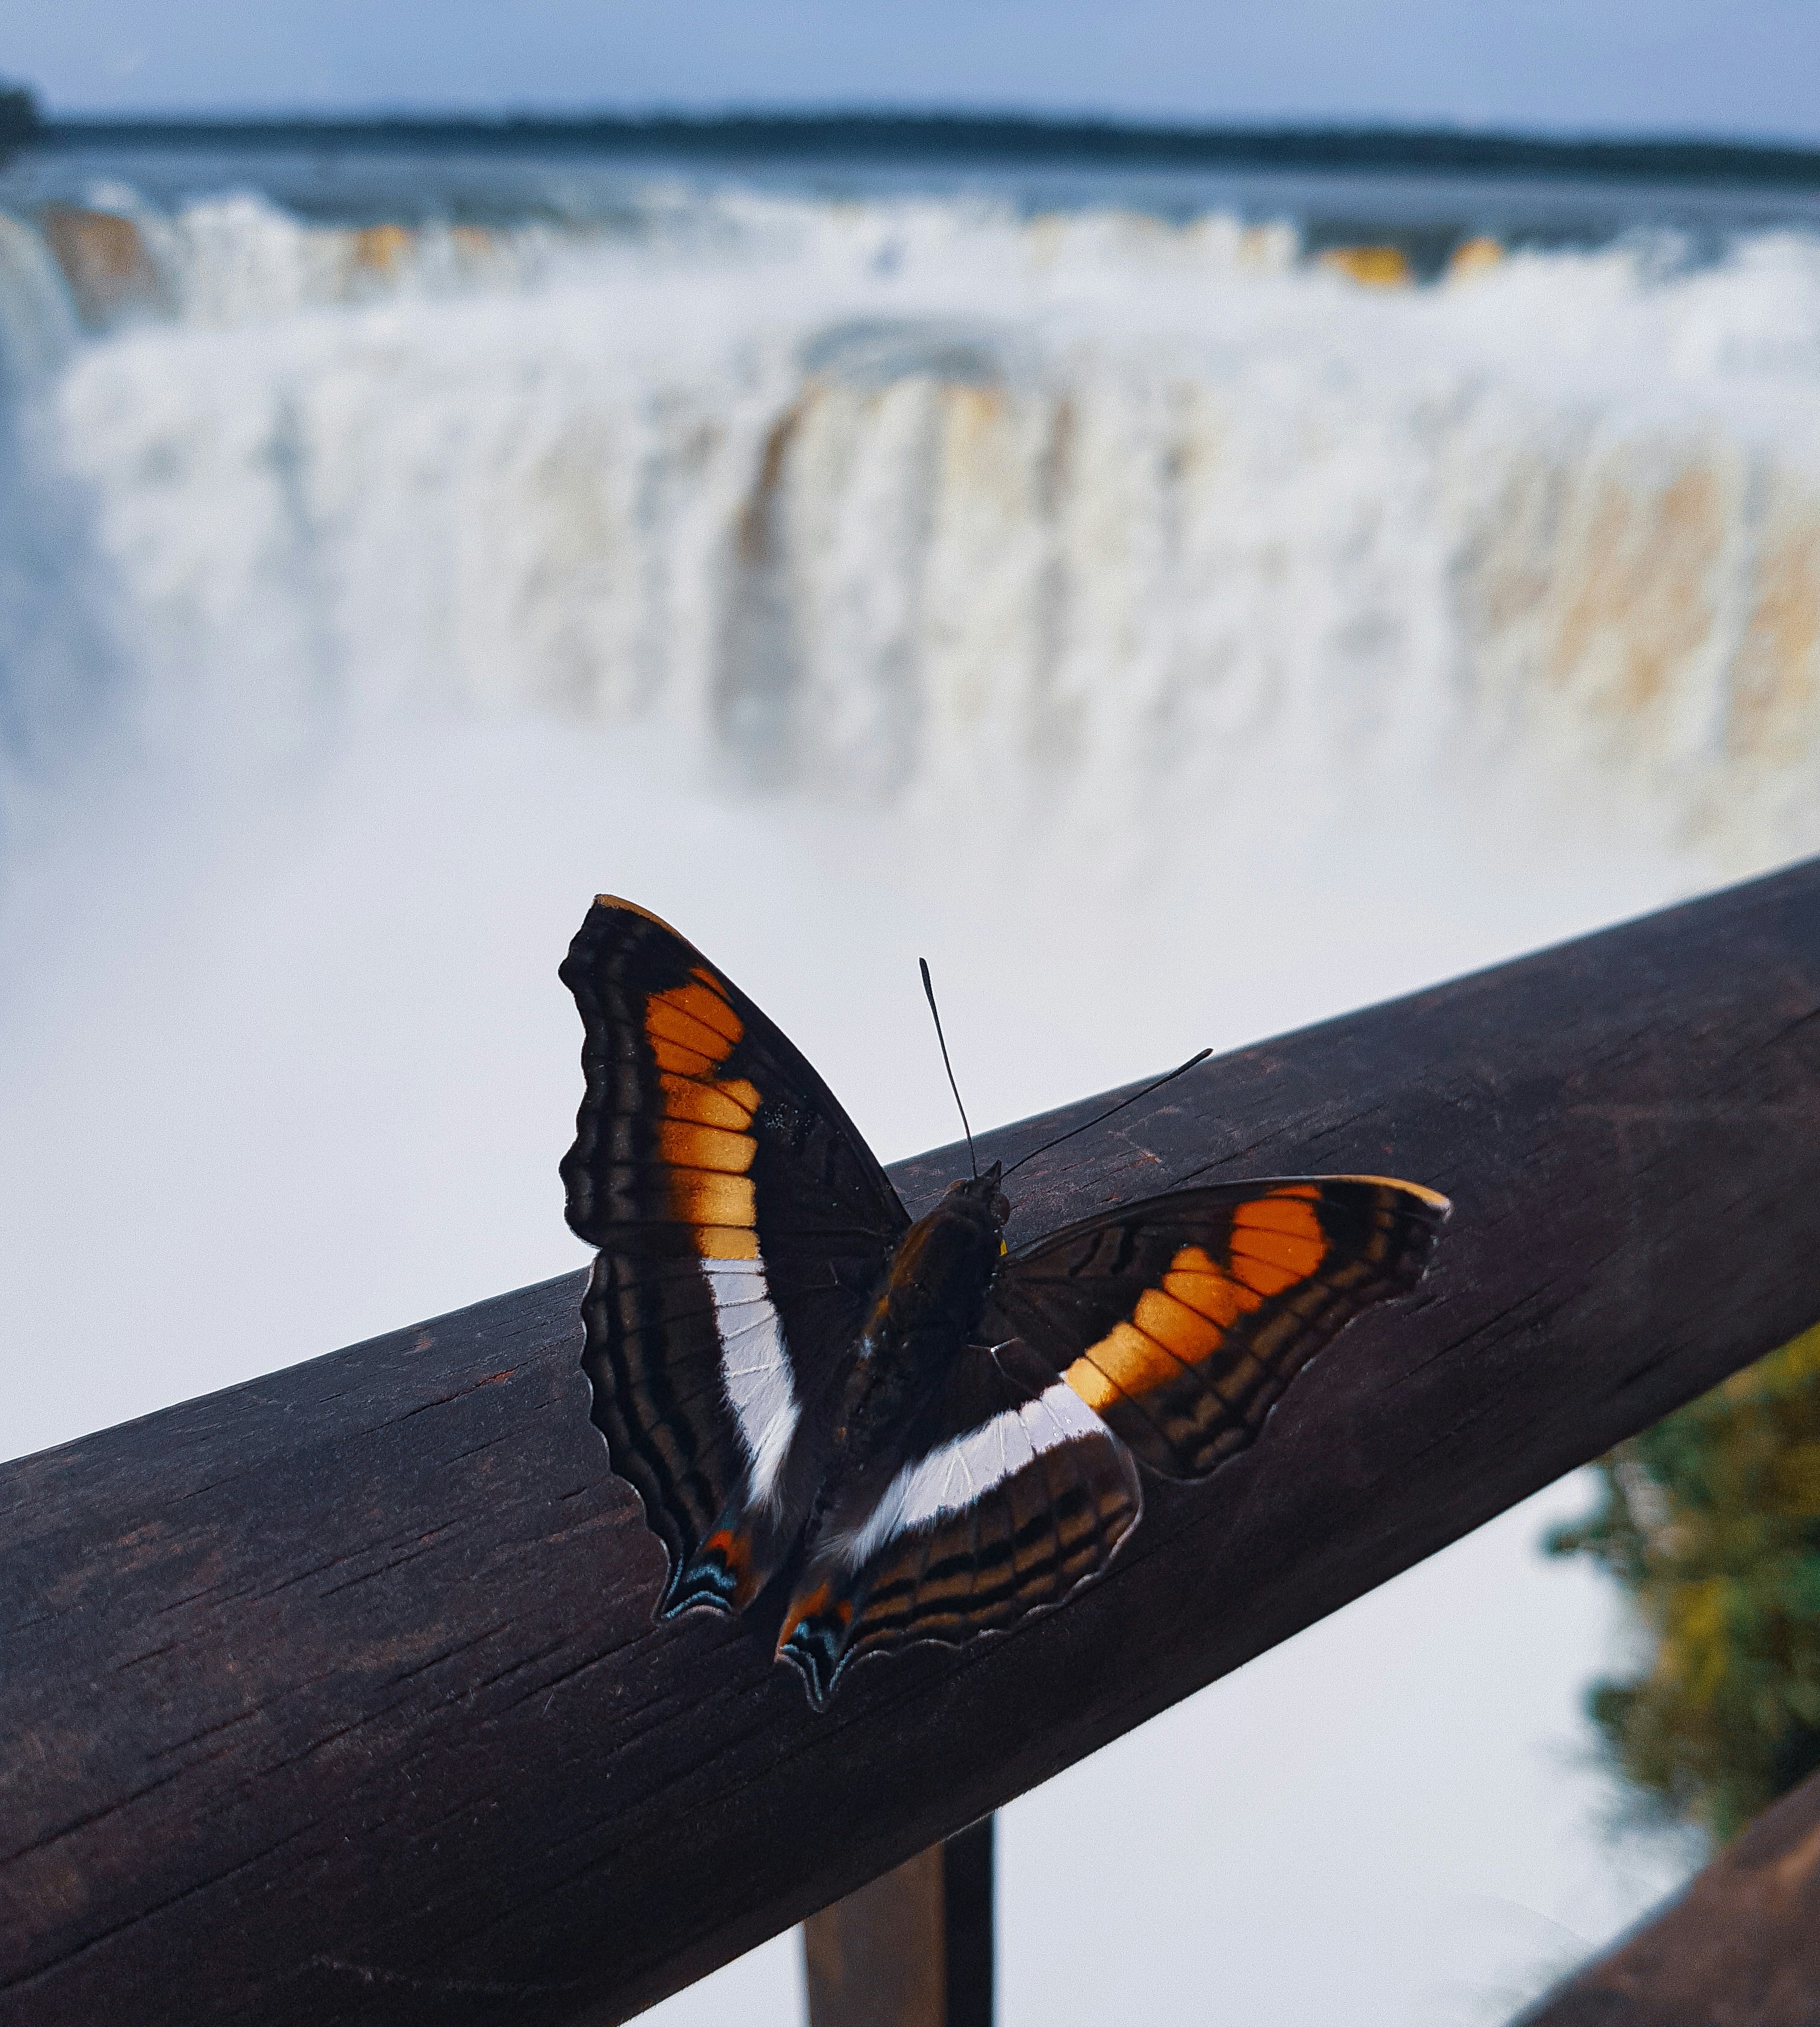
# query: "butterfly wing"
{"type": "Point", "coordinates": [742, 1224]}
{"type": "Point", "coordinates": [1180, 1321]}
{"type": "Point", "coordinates": [1007, 1493]}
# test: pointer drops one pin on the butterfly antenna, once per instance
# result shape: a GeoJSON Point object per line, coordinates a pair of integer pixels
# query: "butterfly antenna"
{"type": "Point", "coordinates": [1110, 1109]}
{"type": "Point", "coordinates": [923, 965]}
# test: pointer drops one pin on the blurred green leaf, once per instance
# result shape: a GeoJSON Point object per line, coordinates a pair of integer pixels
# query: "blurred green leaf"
{"type": "Point", "coordinates": [1710, 1521]}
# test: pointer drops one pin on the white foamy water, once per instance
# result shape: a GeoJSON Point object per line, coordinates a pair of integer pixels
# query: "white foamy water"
{"type": "Point", "coordinates": [1172, 639]}
{"type": "Point", "coordinates": [872, 498]}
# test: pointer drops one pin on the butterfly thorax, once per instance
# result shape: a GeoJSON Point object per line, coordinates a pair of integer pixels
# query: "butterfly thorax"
{"type": "Point", "coordinates": [925, 1312]}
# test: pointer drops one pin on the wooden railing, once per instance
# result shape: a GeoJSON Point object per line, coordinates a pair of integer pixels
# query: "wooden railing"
{"type": "Point", "coordinates": [336, 1697]}
{"type": "Point", "coordinates": [1740, 1946]}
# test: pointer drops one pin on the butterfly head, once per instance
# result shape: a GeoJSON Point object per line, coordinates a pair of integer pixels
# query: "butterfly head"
{"type": "Point", "coordinates": [983, 1196]}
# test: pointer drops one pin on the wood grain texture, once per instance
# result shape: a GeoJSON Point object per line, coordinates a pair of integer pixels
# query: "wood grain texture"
{"type": "Point", "coordinates": [1741, 1948]}
{"type": "Point", "coordinates": [336, 1697]}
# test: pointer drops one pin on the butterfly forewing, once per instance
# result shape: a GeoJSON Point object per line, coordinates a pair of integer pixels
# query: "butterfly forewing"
{"type": "Point", "coordinates": [1180, 1321]}
{"type": "Point", "coordinates": [742, 1224]}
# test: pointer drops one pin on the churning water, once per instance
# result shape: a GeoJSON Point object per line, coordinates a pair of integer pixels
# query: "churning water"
{"type": "Point", "coordinates": [1174, 638]}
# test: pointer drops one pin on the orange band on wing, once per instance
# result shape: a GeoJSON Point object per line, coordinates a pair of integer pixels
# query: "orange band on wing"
{"type": "Point", "coordinates": [667, 1021]}
{"type": "Point", "coordinates": [1274, 1242]}
{"type": "Point", "coordinates": [705, 1003]}
{"type": "Point", "coordinates": [687, 1146]}
{"type": "Point", "coordinates": [699, 1196]}
{"type": "Point", "coordinates": [1206, 1288]}
{"type": "Point", "coordinates": [693, 1017]}
{"type": "Point", "coordinates": [1124, 1362]}
{"type": "Point", "coordinates": [726, 1241]}
{"type": "Point", "coordinates": [704, 1138]}
{"type": "Point", "coordinates": [729, 1103]}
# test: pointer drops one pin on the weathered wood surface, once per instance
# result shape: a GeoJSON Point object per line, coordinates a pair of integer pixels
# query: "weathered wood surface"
{"type": "Point", "coordinates": [335, 1697]}
{"type": "Point", "coordinates": [1741, 1948]}
{"type": "Point", "coordinates": [913, 1949]}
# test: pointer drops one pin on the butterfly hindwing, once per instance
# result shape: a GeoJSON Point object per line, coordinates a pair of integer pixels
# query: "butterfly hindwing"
{"type": "Point", "coordinates": [742, 1224]}
{"type": "Point", "coordinates": [1180, 1321]}
{"type": "Point", "coordinates": [1007, 1493]}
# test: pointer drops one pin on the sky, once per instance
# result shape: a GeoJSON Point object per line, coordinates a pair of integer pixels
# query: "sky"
{"type": "Point", "coordinates": [1681, 66]}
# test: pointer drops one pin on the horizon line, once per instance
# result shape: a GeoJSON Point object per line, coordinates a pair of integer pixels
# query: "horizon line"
{"type": "Point", "coordinates": [982, 133]}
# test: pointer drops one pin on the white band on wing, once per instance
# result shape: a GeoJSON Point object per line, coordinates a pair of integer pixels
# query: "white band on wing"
{"type": "Point", "coordinates": [754, 1369]}
{"type": "Point", "coordinates": [952, 1476]}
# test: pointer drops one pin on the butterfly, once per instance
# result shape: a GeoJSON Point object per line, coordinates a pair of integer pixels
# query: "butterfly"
{"type": "Point", "coordinates": [926, 1435]}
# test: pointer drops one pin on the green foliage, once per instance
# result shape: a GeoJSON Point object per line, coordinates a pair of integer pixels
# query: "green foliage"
{"type": "Point", "coordinates": [1711, 1521]}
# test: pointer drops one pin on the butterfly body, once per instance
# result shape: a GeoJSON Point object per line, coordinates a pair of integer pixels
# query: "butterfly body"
{"type": "Point", "coordinates": [927, 1436]}
{"type": "Point", "coordinates": [926, 1313]}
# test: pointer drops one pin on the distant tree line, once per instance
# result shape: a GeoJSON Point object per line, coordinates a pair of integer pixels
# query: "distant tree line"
{"type": "Point", "coordinates": [1710, 1521]}
{"type": "Point", "coordinates": [20, 121]}
{"type": "Point", "coordinates": [884, 134]}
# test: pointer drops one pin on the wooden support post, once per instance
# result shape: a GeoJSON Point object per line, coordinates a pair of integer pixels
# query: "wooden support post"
{"type": "Point", "coordinates": [336, 1700]}
{"type": "Point", "coordinates": [912, 1949]}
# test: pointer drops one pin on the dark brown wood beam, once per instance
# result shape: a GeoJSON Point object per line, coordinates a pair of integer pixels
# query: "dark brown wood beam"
{"type": "Point", "coordinates": [1738, 1947]}
{"type": "Point", "coordinates": [912, 1948]}
{"type": "Point", "coordinates": [336, 1698]}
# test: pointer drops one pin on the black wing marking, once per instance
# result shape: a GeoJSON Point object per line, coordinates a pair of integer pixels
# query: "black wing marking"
{"type": "Point", "coordinates": [1180, 1321]}
{"type": "Point", "coordinates": [742, 1224]}
{"type": "Point", "coordinates": [1008, 1495]}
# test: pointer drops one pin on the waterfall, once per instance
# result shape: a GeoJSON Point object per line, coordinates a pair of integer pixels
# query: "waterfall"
{"type": "Point", "coordinates": [897, 496]}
